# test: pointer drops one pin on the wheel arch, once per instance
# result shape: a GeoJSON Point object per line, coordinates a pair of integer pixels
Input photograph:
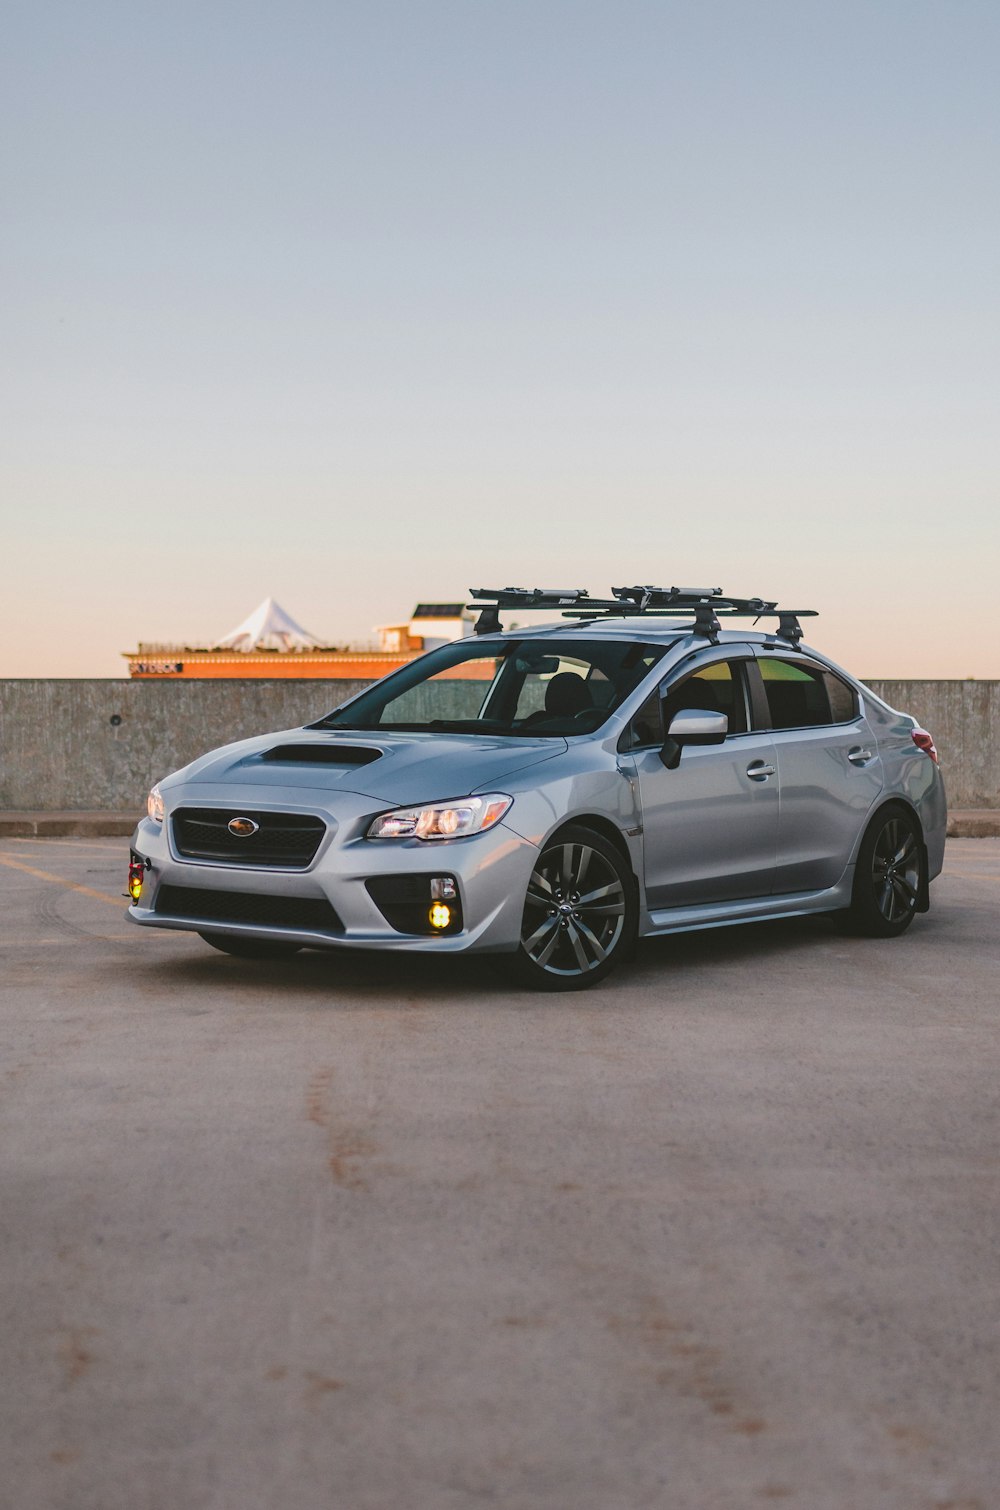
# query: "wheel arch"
{"type": "Point", "coordinates": [599, 825]}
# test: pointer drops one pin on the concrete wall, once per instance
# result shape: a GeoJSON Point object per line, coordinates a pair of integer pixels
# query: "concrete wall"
{"type": "Point", "coordinates": [964, 718]}
{"type": "Point", "coordinates": [60, 749]}
{"type": "Point", "coordinates": [59, 746]}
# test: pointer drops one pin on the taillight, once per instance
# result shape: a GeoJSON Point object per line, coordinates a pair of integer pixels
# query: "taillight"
{"type": "Point", "coordinates": [925, 742]}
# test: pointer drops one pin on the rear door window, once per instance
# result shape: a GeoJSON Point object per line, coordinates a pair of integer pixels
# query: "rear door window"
{"type": "Point", "coordinates": [804, 697]}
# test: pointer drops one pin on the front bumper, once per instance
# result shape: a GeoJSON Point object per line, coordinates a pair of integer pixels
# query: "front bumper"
{"type": "Point", "coordinates": [491, 871]}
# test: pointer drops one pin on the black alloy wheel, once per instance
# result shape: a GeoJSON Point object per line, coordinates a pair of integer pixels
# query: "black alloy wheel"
{"type": "Point", "coordinates": [580, 913]}
{"type": "Point", "coordinates": [249, 948]}
{"type": "Point", "coordinates": [889, 875]}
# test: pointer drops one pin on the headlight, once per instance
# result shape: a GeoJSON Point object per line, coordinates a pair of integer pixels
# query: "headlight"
{"type": "Point", "coordinates": [154, 805]}
{"type": "Point", "coordinates": [442, 820]}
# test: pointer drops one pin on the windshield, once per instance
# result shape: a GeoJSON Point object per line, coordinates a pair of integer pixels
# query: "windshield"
{"type": "Point", "coordinates": [517, 687]}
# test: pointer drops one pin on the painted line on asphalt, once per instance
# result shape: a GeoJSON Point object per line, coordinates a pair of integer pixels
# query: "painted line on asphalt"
{"type": "Point", "coordinates": [46, 875]}
{"type": "Point", "coordinates": [112, 846]}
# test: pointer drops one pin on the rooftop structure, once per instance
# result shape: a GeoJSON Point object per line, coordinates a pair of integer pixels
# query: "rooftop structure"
{"type": "Point", "coordinates": [270, 643]}
{"type": "Point", "coordinates": [269, 627]}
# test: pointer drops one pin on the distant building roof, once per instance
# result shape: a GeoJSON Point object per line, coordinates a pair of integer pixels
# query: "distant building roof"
{"type": "Point", "coordinates": [439, 610]}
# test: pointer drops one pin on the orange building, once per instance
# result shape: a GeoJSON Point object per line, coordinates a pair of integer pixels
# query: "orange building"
{"type": "Point", "coordinates": [269, 643]}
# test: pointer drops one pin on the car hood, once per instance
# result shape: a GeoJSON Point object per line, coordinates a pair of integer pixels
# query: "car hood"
{"type": "Point", "coordinates": [398, 769]}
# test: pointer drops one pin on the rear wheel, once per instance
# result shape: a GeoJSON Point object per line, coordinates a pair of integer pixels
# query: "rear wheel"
{"type": "Point", "coordinates": [249, 948]}
{"type": "Point", "coordinates": [889, 875]}
{"type": "Point", "coordinates": [580, 913]}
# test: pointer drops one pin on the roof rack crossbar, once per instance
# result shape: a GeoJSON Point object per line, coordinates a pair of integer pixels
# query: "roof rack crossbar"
{"type": "Point", "coordinates": [706, 604]}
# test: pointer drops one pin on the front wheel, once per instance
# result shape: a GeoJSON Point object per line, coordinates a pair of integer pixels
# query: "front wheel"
{"type": "Point", "coordinates": [580, 913]}
{"type": "Point", "coordinates": [249, 948]}
{"type": "Point", "coordinates": [889, 876]}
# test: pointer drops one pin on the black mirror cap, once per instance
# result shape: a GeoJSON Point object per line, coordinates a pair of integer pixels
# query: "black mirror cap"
{"type": "Point", "coordinates": [670, 754]}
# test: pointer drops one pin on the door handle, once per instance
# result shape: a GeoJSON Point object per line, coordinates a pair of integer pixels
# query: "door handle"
{"type": "Point", "coordinates": [858, 756]}
{"type": "Point", "coordinates": [758, 771]}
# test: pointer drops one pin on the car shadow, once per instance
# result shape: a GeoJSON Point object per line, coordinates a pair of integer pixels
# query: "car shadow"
{"type": "Point", "coordinates": [352, 978]}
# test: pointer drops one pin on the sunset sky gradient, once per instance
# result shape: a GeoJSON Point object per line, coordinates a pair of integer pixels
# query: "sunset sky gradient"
{"type": "Point", "coordinates": [355, 304]}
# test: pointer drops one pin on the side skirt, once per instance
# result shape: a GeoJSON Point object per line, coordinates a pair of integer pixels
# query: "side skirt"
{"type": "Point", "coordinates": [749, 910]}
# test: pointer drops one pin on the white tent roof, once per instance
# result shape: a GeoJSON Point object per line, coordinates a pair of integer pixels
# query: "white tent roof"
{"type": "Point", "coordinates": [269, 627]}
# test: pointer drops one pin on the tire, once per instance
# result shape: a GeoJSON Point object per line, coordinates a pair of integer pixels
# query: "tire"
{"type": "Point", "coordinates": [889, 877]}
{"type": "Point", "coordinates": [580, 913]}
{"type": "Point", "coordinates": [249, 948]}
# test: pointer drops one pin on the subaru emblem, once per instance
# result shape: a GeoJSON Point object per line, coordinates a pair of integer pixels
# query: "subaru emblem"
{"type": "Point", "coordinates": [243, 827]}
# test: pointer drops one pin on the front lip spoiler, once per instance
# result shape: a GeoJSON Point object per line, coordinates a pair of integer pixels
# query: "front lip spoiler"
{"type": "Point", "coordinates": [390, 942]}
{"type": "Point", "coordinates": [146, 917]}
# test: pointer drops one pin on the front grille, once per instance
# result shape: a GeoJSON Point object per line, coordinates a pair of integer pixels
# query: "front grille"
{"type": "Point", "coordinates": [309, 914]}
{"type": "Point", "coordinates": [289, 840]}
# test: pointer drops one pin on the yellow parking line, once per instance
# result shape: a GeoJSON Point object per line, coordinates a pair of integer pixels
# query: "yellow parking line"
{"type": "Point", "coordinates": [110, 847]}
{"type": "Point", "coordinates": [46, 875]}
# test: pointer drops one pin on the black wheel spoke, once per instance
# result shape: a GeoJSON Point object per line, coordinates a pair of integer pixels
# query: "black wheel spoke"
{"type": "Point", "coordinates": [567, 867]}
{"type": "Point", "coordinates": [591, 938]}
{"type": "Point", "coordinates": [906, 851]}
{"type": "Point", "coordinates": [541, 933]}
{"type": "Point", "coordinates": [576, 941]}
{"type": "Point", "coordinates": [612, 889]}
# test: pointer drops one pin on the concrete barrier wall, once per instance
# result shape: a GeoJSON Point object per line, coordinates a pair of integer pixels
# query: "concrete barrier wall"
{"type": "Point", "coordinates": [964, 718]}
{"type": "Point", "coordinates": [101, 744]}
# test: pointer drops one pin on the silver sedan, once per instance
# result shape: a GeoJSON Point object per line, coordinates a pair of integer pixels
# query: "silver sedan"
{"type": "Point", "coordinates": [550, 795]}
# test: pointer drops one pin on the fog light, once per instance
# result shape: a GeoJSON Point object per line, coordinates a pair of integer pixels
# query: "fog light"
{"type": "Point", "coordinates": [439, 915]}
{"type": "Point", "coordinates": [443, 888]}
{"type": "Point", "coordinates": [135, 874]}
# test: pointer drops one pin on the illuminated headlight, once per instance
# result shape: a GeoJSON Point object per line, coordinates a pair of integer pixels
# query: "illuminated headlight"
{"type": "Point", "coordinates": [154, 805]}
{"type": "Point", "coordinates": [442, 820]}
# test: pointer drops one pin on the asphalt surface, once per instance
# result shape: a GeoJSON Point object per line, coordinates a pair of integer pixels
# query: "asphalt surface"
{"type": "Point", "coordinates": [368, 1234]}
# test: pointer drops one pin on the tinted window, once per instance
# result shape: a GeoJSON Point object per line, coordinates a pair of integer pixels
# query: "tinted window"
{"type": "Point", "coordinates": [530, 687]}
{"type": "Point", "coordinates": [804, 697]}
{"type": "Point", "coordinates": [717, 688]}
{"type": "Point", "coordinates": [843, 699]}
{"type": "Point", "coordinates": [646, 727]}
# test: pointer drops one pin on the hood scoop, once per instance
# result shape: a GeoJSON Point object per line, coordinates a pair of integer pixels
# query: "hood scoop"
{"type": "Point", "coordinates": [325, 754]}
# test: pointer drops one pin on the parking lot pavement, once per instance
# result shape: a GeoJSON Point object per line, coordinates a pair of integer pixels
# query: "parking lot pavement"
{"type": "Point", "coordinates": [373, 1234]}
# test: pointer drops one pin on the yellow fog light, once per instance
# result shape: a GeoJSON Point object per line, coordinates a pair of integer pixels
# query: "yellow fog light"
{"type": "Point", "coordinates": [136, 872]}
{"type": "Point", "coordinates": [439, 915]}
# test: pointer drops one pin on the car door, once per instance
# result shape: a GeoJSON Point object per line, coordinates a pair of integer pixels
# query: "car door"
{"type": "Point", "coordinates": [829, 770]}
{"type": "Point", "coordinates": [710, 825]}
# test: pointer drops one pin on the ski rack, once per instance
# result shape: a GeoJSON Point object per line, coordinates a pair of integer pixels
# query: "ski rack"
{"type": "Point", "coordinates": [706, 604]}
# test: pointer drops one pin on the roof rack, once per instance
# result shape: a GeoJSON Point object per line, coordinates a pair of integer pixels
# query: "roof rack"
{"type": "Point", "coordinates": [706, 604]}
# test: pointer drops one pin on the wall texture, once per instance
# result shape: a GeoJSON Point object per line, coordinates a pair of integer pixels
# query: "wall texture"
{"type": "Point", "coordinates": [61, 748]}
{"type": "Point", "coordinates": [964, 718]}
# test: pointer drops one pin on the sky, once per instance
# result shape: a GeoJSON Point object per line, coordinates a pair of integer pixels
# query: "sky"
{"type": "Point", "coordinates": [360, 304]}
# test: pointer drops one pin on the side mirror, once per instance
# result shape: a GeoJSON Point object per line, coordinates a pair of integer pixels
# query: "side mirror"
{"type": "Point", "coordinates": [692, 726]}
